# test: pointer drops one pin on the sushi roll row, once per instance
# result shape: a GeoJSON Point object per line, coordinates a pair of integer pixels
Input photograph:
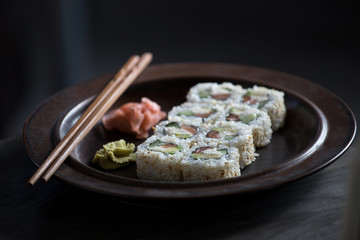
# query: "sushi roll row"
{"type": "Point", "coordinates": [240, 114]}
{"type": "Point", "coordinates": [170, 159]}
{"type": "Point", "coordinates": [213, 135]}
{"type": "Point", "coordinates": [265, 99]}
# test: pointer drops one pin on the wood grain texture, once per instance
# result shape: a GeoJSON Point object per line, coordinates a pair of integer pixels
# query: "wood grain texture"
{"type": "Point", "coordinates": [308, 208]}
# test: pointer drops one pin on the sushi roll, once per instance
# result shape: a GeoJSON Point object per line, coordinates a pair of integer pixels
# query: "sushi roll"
{"type": "Point", "coordinates": [269, 100]}
{"type": "Point", "coordinates": [210, 161]}
{"type": "Point", "coordinates": [158, 158]}
{"type": "Point", "coordinates": [214, 92]}
{"type": "Point", "coordinates": [182, 129]}
{"type": "Point", "coordinates": [213, 135]}
{"type": "Point", "coordinates": [196, 112]}
{"type": "Point", "coordinates": [234, 135]}
{"type": "Point", "coordinates": [258, 120]}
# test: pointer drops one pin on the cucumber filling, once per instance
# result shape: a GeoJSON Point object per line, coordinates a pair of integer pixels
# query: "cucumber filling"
{"type": "Point", "coordinates": [181, 131]}
{"type": "Point", "coordinates": [207, 153]}
{"type": "Point", "coordinates": [166, 148]}
{"type": "Point", "coordinates": [236, 115]}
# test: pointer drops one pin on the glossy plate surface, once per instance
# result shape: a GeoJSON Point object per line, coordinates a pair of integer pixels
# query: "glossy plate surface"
{"type": "Point", "coordinates": [318, 129]}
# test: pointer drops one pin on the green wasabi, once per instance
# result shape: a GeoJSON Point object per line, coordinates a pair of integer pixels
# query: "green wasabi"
{"type": "Point", "coordinates": [114, 155]}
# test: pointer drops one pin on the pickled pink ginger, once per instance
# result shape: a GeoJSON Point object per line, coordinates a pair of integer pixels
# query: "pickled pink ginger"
{"type": "Point", "coordinates": [134, 118]}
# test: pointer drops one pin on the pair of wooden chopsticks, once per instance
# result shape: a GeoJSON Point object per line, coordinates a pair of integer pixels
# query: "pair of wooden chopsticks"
{"type": "Point", "coordinates": [107, 97]}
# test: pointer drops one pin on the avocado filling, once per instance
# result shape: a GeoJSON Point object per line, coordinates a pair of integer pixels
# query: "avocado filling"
{"type": "Point", "coordinates": [167, 148]}
{"type": "Point", "coordinates": [201, 112]}
{"type": "Point", "coordinates": [220, 94]}
{"type": "Point", "coordinates": [262, 103]}
{"type": "Point", "coordinates": [186, 113]}
{"type": "Point", "coordinates": [173, 124]}
{"type": "Point", "coordinates": [236, 115]}
{"type": "Point", "coordinates": [204, 93]}
{"type": "Point", "coordinates": [208, 153]}
{"type": "Point", "coordinates": [222, 133]}
{"type": "Point", "coordinates": [251, 98]}
{"type": "Point", "coordinates": [248, 117]}
{"type": "Point", "coordinates": [182, 131]}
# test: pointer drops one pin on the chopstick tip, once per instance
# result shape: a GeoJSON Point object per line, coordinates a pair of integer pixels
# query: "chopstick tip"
{"type": "Point", "coordinates": [44, 179]}
{"type": "Point", "coordinates": [147, 54]}
{"type": "Point", "coordinates": [30, 184]}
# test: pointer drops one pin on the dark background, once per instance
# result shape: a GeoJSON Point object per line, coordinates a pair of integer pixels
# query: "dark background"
{"type": "Point", "coordinates": [49, 45]}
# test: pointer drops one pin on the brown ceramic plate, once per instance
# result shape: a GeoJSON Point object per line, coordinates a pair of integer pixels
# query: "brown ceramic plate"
{"type": "Point", "coordinates": [319, 128]}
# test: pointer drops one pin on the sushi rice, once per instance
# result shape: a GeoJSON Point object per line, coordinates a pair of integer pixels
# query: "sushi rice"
{"type": "Point", "coordinates": [210, 161]}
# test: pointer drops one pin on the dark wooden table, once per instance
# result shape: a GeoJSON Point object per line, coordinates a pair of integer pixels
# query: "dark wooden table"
{"type": "Point", "coordinates": [313, 207]}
